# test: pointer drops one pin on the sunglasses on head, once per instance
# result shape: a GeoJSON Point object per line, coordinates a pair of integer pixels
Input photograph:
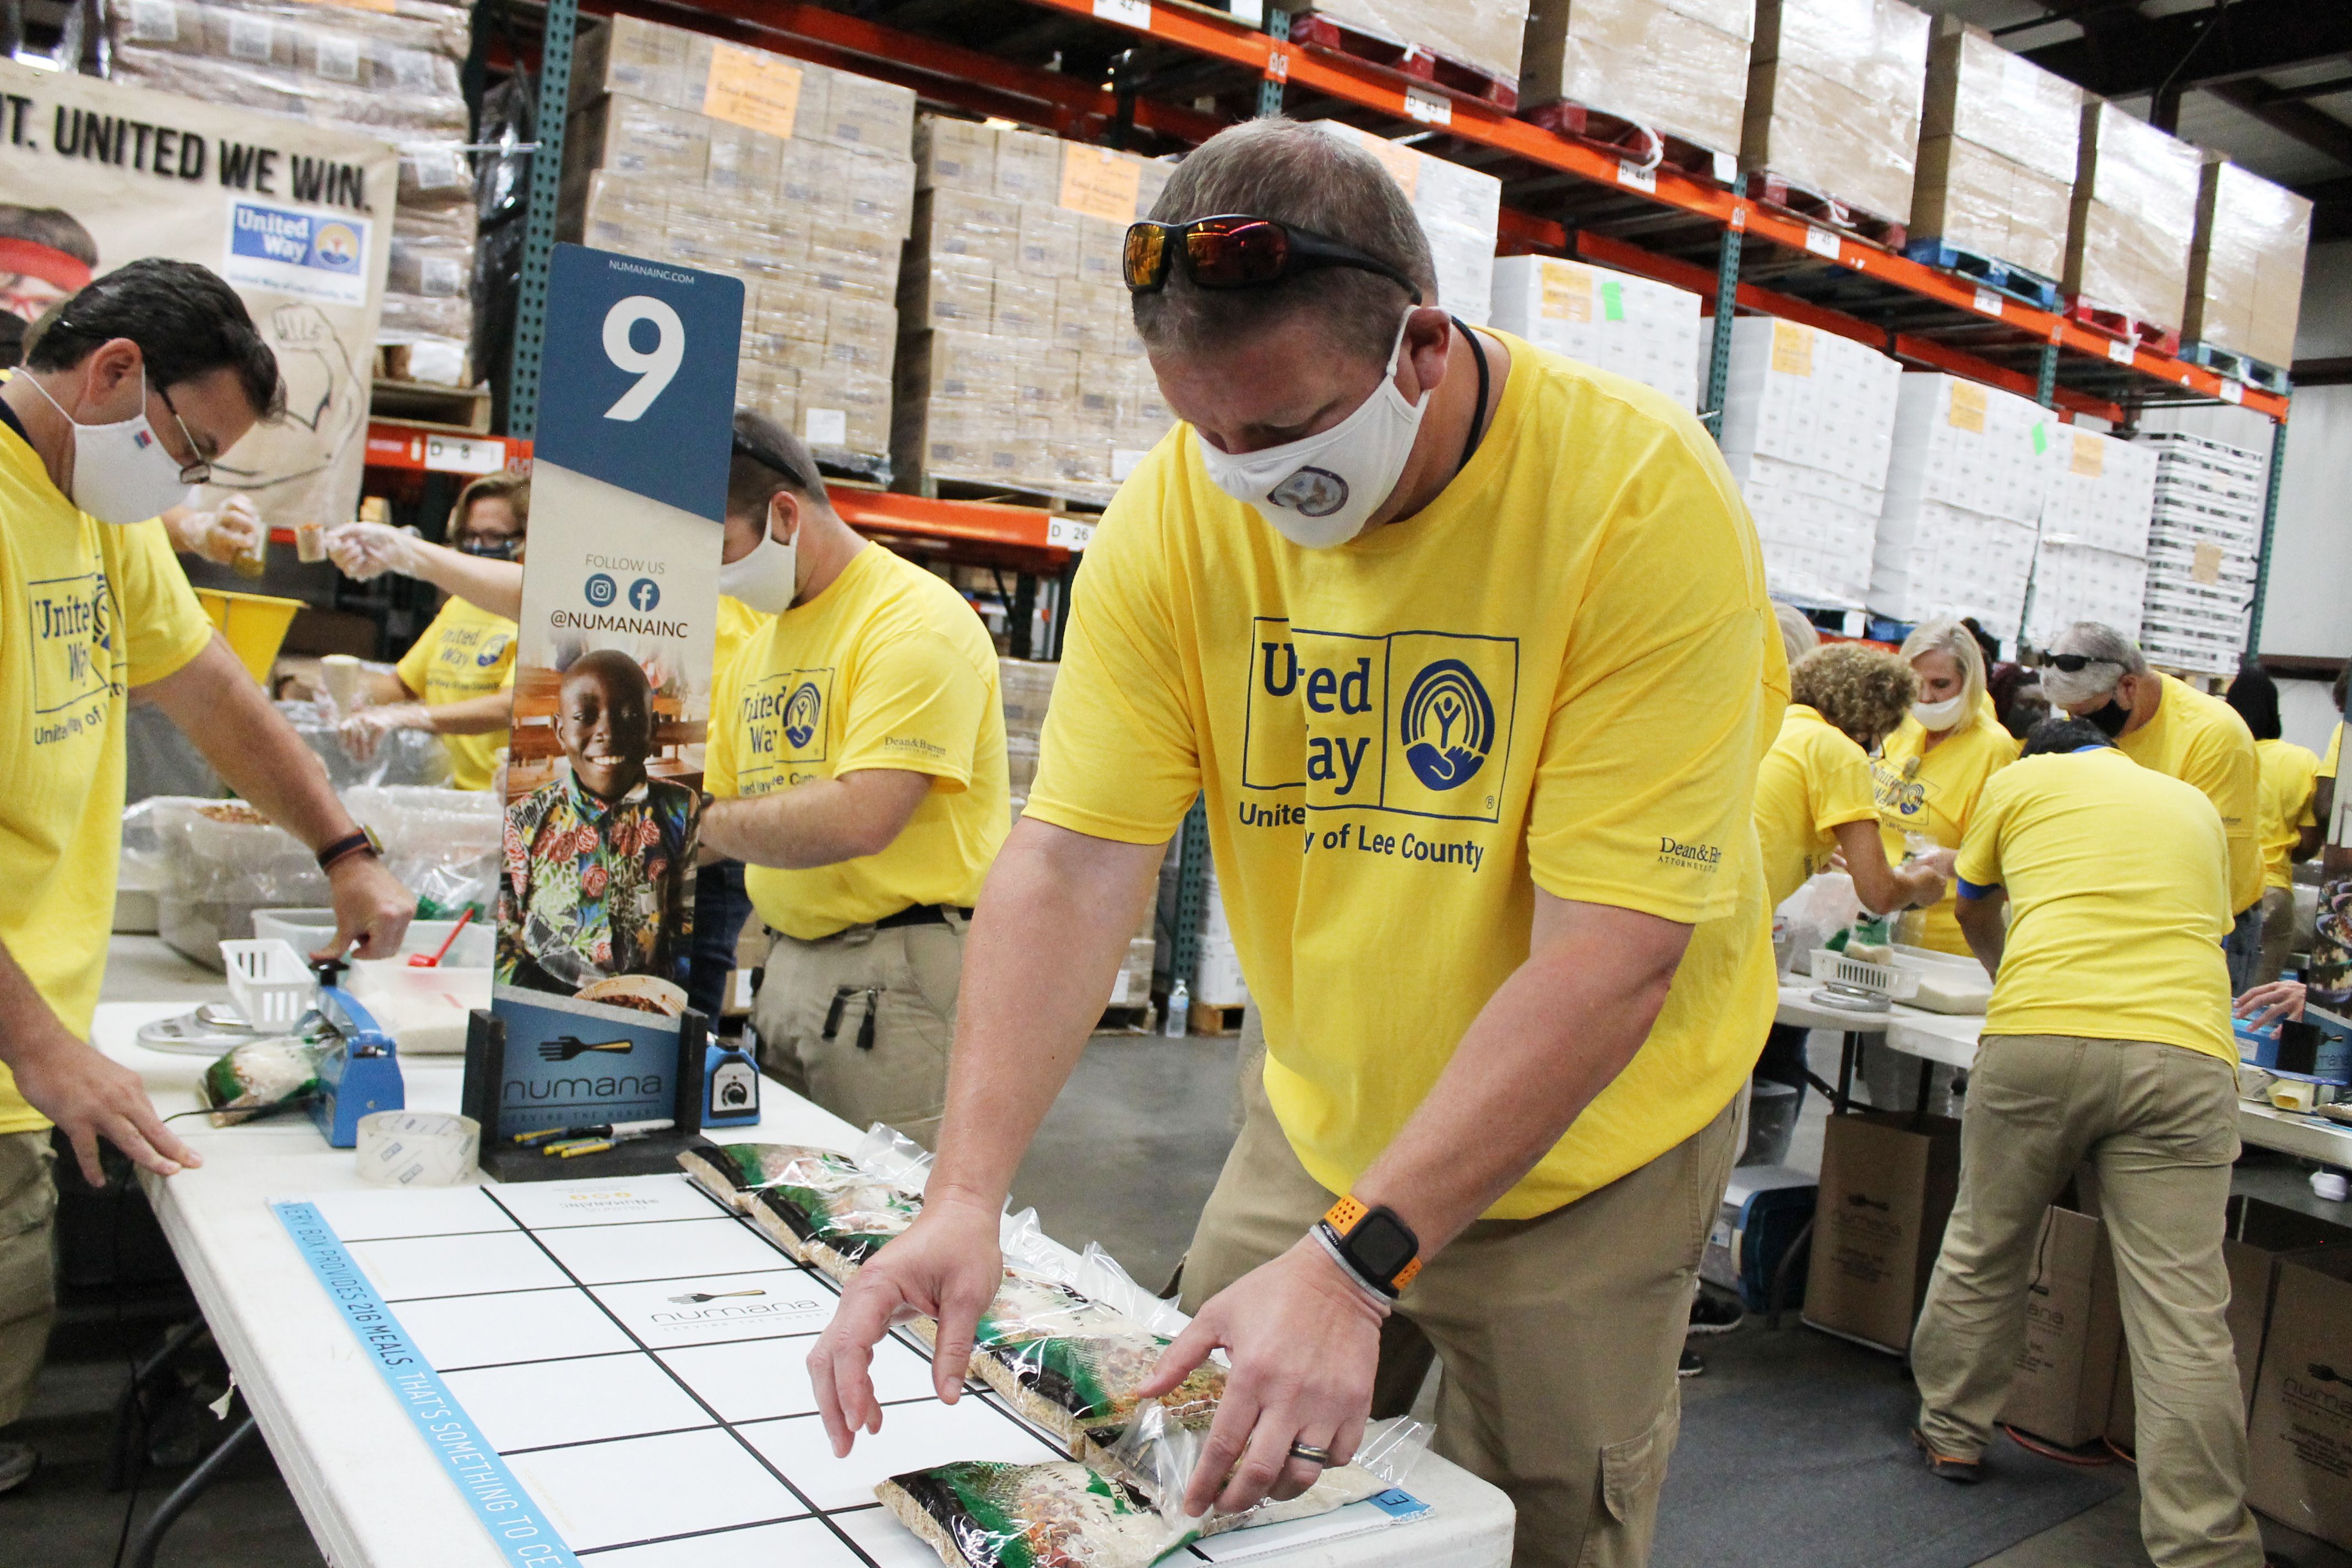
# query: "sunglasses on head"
{"type": "Point", "coordinates": [2072, 663]}
{"type": "Point", "coordinates": [807, 484]}
{"type": "Point", "coordinates": [1237, 251]}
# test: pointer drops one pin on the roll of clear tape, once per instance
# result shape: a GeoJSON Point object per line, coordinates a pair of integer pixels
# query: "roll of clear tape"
{"type": "Point", "coordinates": [418, 1148]}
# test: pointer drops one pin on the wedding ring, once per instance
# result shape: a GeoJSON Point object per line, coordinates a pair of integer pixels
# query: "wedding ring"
{"type": "Point", "coordinates": [1311, 1454]}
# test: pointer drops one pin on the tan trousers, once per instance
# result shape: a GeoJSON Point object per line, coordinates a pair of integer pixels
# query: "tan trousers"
{"type": "Point", "coordinates": [28, 1291]}
{"type": "Point", "coordinates": [905, 980]}
{"type": "Point", "coordinates": [1558, 1335]}
{"type": "Point", "coordinates": [2160, 1125]}
{"type": "Point", "coordinates": [2278, 933]}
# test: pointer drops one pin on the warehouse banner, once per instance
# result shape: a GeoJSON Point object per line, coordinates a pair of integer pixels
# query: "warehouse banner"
{"type": "Point", "coordinates": [612, 674]}
{"type": "Point", "coordinates": [296, 217]}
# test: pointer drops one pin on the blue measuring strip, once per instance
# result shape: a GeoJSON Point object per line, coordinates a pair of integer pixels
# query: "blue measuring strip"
{"type": "Point", "coordinates": [522, 1534]}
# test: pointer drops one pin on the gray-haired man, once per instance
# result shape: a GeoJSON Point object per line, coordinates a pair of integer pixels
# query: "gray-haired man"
{"type": "Point", "coordinates": [1468, 649]}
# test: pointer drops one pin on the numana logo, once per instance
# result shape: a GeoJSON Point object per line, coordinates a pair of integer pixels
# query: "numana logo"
{"type": "Point", "coordinates": [1311, 492]}
{"type": "Point", "coordinates": [1447, 725]}
{"type": "Point", "coordinates": [600, 590]}
{"type": "Point", "coordinates": [802, 711]}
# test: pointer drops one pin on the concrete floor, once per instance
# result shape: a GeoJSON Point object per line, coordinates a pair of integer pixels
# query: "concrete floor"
{"type": "Point", "coordinates": [1127, 1157]}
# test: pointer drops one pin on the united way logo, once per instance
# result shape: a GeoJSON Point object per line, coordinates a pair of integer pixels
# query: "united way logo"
{"type": "Point", "coordinates": [1447, 725]}
{"type": "Point", "coordinates": [802, 711]}
{"type": "Point", "coordinates": [492, 650]}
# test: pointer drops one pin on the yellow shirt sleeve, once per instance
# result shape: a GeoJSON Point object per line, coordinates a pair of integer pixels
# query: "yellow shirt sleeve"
{"type": "Point", "coordinates": [1117, 759]}
{"type": "Point", "coordinates": [1978, 861]}
{"type": "Point", "coordinates": [163, 625]}
{"type": "Point", "coordinates": [1840, 785]}
{"type": "Point", "coordinates": [913, 705]}
{"type": "Point", "coordinates": [718, 747]}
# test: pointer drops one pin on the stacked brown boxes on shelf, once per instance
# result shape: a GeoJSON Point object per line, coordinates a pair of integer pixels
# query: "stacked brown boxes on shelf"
{"type": "Point", "coordinates": [1834, 89]}
{"type": "Point", "coordinates": [388, 70]}
{"type": "Point", "coordinates": [1018, 363]}
{"type": "Point", "coordinates": [1484, 35]}
{"type": "Point", "coordinates": [2245, 270]}
{"type": "Point", "coordinates": [1997, 153]}
{"type": "Point", "coordinates": [792, 176]}
{"type": "Point", "coordinates": [2134, 215]}
{"type": "Point", "coordinates": [1679, 67]}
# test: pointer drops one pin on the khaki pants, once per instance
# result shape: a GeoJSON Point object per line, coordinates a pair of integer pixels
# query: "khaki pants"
{"type": "Point", "coordinates": [1558, 1335]}
{"type": "Point", "coordinates": [2278, 933]}
{"type": "Point", "coordinates": [28, 1291]}
{"type": "Point", "coordinates": [905, 980]}
{"type": "Point", "coordinates": [2160, 1125]}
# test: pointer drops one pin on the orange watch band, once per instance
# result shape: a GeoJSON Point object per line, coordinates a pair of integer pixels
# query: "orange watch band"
{"type": "Point", "coordinates": [1348, 1212]}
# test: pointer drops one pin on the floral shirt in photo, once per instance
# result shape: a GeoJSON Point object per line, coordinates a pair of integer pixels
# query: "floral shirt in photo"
{"type": "Point", "coordinates": [589, 889]}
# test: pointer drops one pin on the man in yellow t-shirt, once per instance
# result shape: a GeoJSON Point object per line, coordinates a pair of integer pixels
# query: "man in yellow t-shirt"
{"type": "Point", "coordinates": [130, 389]}
{"type": "Point", "coordinates": [2107, 1039]}
{"type": "Point", "coordinates": [1468, 649]}
{"type": "Point", "coordinates": [857, 757]}
{"type": "Point", "coordinates": [2097, 673]}
{"type": "Point", "coordinates": [2286, 803]}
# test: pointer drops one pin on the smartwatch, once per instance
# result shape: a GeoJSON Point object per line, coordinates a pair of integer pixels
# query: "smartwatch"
{"type": "Point", "coordinates": [1379, 1248]}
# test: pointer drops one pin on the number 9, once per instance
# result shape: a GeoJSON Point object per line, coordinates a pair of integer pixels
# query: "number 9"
{"type": "Point", "coordinates": [652, 370]}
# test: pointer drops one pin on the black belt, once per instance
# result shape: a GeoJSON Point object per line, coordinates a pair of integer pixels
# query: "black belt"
{"type": "Point", "coordinates": [919, 915]}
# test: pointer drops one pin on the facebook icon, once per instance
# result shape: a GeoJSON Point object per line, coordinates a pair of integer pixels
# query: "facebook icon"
{"type": "Point", "coordinates": [643, 595]}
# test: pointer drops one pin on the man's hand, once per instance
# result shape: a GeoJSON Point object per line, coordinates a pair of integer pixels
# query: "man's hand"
{"type": "Point", "coordinates": [947, 1268]}
{"type": "Point", "coordinates": [364, 731]}
{"type": "Point", "coordinates": [371, 908]}
{"type": "Point", "coordinates": [90, 1097]}
{"type": "Point", "coordinates": [1304, 1341]}
{"type": "Point", "coordinates": [365, 550]}
{"type": "Point", "coordinates": [220, 537]}
{"type": "Point", "coordinates": [2276, 1000]}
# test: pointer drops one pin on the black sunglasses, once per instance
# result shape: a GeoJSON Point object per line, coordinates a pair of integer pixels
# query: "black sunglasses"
{"type": "Point", "coordinates": [2073, 663]}
{"type": "Point", "coordinates": [1237, 251]}
{"type": "Point", "coordinates": [807, 484]}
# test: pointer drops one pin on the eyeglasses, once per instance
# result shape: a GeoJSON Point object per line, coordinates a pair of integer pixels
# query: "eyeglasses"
{"type": "Point", "coordinates": [2073, 663]}
{"type": "Point", "coordinates": [1237, 251]}
{"type": "Point", "coordinates": [198, 468]}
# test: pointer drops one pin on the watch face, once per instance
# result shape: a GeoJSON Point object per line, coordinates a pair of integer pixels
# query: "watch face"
{"type": "Point", "coordinates": [1382, 1245]}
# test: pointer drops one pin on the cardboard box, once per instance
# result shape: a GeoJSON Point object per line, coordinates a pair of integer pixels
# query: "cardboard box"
{"type": "Point", "coordinates": [2245, 268]}
{"type": "Point", "coordinates": [1887, 1185]}
{"type": "Point", "coordinates": [2000, 101]}
{"type": "Point", "coordinates": [1047, 245]}
{"type": "Point", "coordinates": [2299, 1436]}
{"type": "Point", "coordinates": [960, 223]}
{"type": "Point", "coordinates": [2134, 217]}
{"type": "Point", "coordinates": [1028, 166]}
{"type": "Point", "coordinates": [1982, 201]}
{"type": "Point", "coordinates": [947, 292]}
{"type": "Point", "coordinates": [956, 154]}
{"type": "Point", "coordinates": [1614, 321]}
{"type": "Point", "coordinates": [2074, 1329]}
{"type": "Point", "coordinates": [1834, 95]}
{"type": "Point", "coordinates": [1484, 35]}
{"type": "Point", "coordinates": [1676, 66]}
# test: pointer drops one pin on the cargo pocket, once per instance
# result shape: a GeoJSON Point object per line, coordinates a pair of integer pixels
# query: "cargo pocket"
{"type": "Point", "coordinates": [1632, 1473]}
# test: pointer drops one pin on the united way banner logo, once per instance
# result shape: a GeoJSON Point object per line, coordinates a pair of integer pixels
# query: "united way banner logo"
{"type": "Point", "coordinates": [1447, 725]}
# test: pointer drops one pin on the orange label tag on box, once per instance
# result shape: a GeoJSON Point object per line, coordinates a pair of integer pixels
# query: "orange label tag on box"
{"type": "Point", "coordinates": [1967, 407]}
{"type": "Point", "coordinates": [2090, 457]}
{"type": "Point", "coordinates": [1567, 292]}
{"type": "Point", "coordinates": [2207, 568]}
{"type": "Point", "coordinates": [1792, 349]}
{"type": "Point", "coordinates": [1100, 183]}
{"type": "Point", "coordinates": [389, 7]}
{"type": "Point", "coordinates": [749, 88]}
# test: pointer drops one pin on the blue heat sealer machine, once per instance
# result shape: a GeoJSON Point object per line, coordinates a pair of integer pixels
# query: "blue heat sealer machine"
{"type": "Point", "coordinates": [359, 1071]}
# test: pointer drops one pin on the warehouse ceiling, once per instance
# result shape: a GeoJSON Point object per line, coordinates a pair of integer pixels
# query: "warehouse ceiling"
{"type": "Point", "coordinates": [2268, 82]}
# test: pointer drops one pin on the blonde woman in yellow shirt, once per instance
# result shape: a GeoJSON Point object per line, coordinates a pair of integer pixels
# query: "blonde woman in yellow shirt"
{"type": "Point", "coordinates": [1934, 766]}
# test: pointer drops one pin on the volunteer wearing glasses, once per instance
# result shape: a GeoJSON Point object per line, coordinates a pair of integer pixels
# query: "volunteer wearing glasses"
{"type": "Point", "coordinates": [129, 389]}
{"type": "Point", "coordinates": [857, 762]}
{"type": "Point", "coordinates": [1468, 649]}
{"type": "Point", "coordinates": [457, 678]}
{"type": "Point", "coordinates": [2097, 673]}
{"type": "Point", "coordinates": [2107, 1040]}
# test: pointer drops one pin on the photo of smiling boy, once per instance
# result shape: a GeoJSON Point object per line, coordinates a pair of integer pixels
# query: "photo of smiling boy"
{"type": "Point", "coordinates": [597, 873]}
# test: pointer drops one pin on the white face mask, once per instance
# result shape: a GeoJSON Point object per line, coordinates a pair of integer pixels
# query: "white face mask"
{"type": "Point", "coordinates": [121, 474]}
{"type": "Point", "coordinates": [767, 578]}
{"type": "Point", "coordinates": [1940, 716]}
{"type": "Point", "coordinates": [1320, 490]}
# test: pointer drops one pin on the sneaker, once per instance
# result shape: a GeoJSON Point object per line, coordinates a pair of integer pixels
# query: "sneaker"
{"type": "Point", "coordinates": [1943, 1467]}
{"type": "Point", "coordinates": [1714, 1314]}
{"type": "Point", "coordinates": [17, 1463]}
{"type": "Point", "coordinates": [1690, 1366]}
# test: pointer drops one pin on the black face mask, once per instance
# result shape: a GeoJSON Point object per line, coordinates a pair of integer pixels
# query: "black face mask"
{"type": "Point", "coordinates": [491, 549]}
{"type": "Point", "coordinates": [2110, 716]}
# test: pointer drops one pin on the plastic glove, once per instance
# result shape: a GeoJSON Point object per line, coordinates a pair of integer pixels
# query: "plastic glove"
{"type": "Point", "coordinates": [365, 550]}
{"type": "Point", "coordinates": [364, 731]}
{"type": "Point", "coordinates": [220, 537]}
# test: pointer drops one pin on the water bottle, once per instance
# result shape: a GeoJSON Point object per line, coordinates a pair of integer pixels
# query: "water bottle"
{"type": "Point", "coordinates": [1180, 1010]}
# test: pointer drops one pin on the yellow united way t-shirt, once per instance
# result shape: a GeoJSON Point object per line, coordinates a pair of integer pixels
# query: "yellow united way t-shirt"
{"type": "Point", "coordinates": [2201, 740]}
{"type": "Point", "coordinates": [2118, 882]}
{"type": "Point", "coordinates": [87, 611]}
{"type": "Point", "coordinates": [888, 667]}
{"type": "Point", "coordinates": [2289, 774]}
{"type": "Point", "coordinates": [1812, 782]}
{"type": "Point", "coordinates": [1934, 792]}
{"type": "Point", "coordinates": [466, 652]}
{"type": "Point", "coordinates": [1560, 674]}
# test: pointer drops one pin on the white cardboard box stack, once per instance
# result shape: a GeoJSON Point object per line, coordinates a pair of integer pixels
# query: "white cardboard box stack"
{"type": "Point", "coordinates": [1808, 430]}
{"type": "Point", "coordinates": [2204, 537]}
{"type": "Point", "coordinates": [1616, 322]}
{"type": "Point", "coordinates": [2091, 562]}
{"type": "Point", "coordinates": [1458, 208]}
{"type": "Point", "coordinates": [1964, 493]}
{"type": "Point", "coordinates": [1220, 982]}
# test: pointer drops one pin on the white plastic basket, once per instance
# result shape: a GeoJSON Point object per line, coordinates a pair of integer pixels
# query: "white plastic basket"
{"type": "Point", "coordinates": [267, 980]}
{"type": "Point", "coordinates": [1879, 980]}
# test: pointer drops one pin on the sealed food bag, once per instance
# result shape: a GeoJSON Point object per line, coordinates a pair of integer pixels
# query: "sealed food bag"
{"type": "Point", "coordinates": [981, 1515]}
{"type": "Point", "coordinates": [734, 1173]}
{"type": "Point", "coordinates": [1033, 1305]}
{"type": "Point", "coordinates": [1081, 1388]}
{"type": "Point", "coordinates": [1160, 1449]}
{"type": "Point", "coordinates": [892, 1155]}
{"type": "Point", "coordinates": [258, 1079]}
